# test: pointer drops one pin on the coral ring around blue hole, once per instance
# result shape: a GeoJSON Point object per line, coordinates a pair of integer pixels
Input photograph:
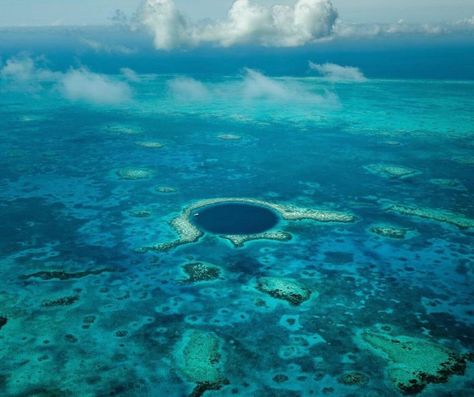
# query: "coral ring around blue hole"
{"type": "Point", "coordinates": [235, 218]}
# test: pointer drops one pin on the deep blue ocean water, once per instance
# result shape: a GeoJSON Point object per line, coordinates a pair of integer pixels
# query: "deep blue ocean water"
{"type": "Point", "coordinates": [88, 313]}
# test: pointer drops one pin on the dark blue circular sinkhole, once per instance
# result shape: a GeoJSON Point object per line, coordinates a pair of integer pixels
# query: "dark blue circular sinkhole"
{"type": "Point", "coordinates": [234, 218]}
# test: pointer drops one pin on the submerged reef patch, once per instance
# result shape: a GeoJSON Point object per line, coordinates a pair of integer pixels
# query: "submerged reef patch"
{"type": "Point", "coordinates": [200, 358]}
{"type": "Point", "coordinates": [150, 144]}
{"type": "Point", "coordinates": [439, 215]}
{"type": "Point", "coordinates": [188, 232]}
{"type": "Point", "coordinates": [229, 137]}
{"type": "Point", "coordinates": [62, 275]}
{"type": "Point", "coordinates": [122, 129]}
{"type": "Point", "coordinates": [64, 301]}
{"type": "Point", "coordinates": [353, 378]}
{"type": "Point", "coordinates": [201, 271]}
{"type": "Point", "coordinates": [389, 231]}
{"type": "Point", "coordinates": [130, 173]}
{"type": "Point", "coordinates": [140, 213]}
{"type": "Point", "coordinates": [166, 189]}
{"type": "Point", "coordinates": [391, 171]}
{"type": "Point", "coordinates": [447, 183]}
{"type": "Point", "coordinates": [284, 288]}
{"type": "Point", "coordinates": [413, 363]}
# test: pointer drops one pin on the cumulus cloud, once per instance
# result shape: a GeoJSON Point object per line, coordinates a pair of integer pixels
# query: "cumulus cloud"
{"type": "Point", "coordinates": [186, 88]}
{"type": "Point", "coordinates": [251, 86]}
{"type": "Point", "coordinates": [334, 72]}
{"type": "Point", "coordinates": [392, 29]}
{"type": "Point", "coordinates": [24, 74]}
{"type": "Point", "coordinates": [130, 75]}
{"type": "Point", "coordinates": [24, 69]}
{"type": "Point", "coordinates": [83, 85]}
{"type": "Point", "coordinates": [256, 85]}
{"type": "Point", "coordinates": [246, 23]}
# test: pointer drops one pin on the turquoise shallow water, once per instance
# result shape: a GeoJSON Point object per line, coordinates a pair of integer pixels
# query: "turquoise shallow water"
{"type": "Point", "coordinates": [89, 313]}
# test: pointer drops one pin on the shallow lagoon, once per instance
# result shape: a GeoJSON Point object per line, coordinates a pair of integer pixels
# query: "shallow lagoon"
{"type": "Point", "coordinates": [87, 313]}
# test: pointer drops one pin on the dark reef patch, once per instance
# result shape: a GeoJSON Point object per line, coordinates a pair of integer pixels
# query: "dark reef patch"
{"type": "Point", "coordinates": [235, 219]}
{"type": "Point", "coordinates": [353, 378]}
{"type": "Point", "coordinates": [64, 301]}
{"type": "Point", "coordinates": [3, 321]}
{"type": "Point", "coordinates": [61, 275]}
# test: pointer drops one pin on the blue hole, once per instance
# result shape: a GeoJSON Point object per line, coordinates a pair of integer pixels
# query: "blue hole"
{"type": "Point", "coordinates": [235, 218]}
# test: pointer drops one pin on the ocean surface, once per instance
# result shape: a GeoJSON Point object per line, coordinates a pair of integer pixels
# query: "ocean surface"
{"type": "Point", "coordinates": [92, 305]}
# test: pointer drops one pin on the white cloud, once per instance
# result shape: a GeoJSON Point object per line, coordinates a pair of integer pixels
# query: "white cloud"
{"type": "Point", "coordinates": [186, 88]}
{"type": "Point", "coordinates": [335, 72]}
{"type": "Point", "coordinates": [97, 46]}
{"type": "Point", "coordinates": [252, 86]}
{"type": "Point", "coordinates": [246, 23]}
{"type": "Point", "coordinates": [24, 69]}
{"type": "Point", "coordinates": [400, 27]}
{"type": "Point", "coordinates": [23, 74]}
{"type": "Point", "coordinates": [467, 23]}
{"type": "Point", "coordinates": [83, 85]}
{"type": "Point", "coordinates": [130, 75]}
{"type": "Point", "coordinates": [168, 26]}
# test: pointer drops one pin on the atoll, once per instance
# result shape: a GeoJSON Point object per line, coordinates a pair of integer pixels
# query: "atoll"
{"type": "Point", "coordinates": [201, 360]}
{"type": "Point", "coordinates": [134, 173]}
{"type": "Point", "coordinates": [240, 239]}
{"type": "Point", "coordinates": [439, 215]}
{"type": "Point", "coordinates": [391, 171]}
{"type": "Point", "coordinates": [284, 288]}
{"type": "Point", "coordinates": [413, 363]}
{"type": "Point", "coordinates": [200, 271]}
{"type": "Point", "coordinates": [190, 233]}
{"type": "Point", "coordinates": [389, 231]}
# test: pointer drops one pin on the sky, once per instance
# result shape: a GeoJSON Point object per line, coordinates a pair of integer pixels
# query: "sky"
{"type": "Point", "coordinates": [98, 12]}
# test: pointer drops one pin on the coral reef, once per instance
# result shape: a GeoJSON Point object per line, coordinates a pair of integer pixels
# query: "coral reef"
{"type": "Point", "coordinates": [240, 239]}
{"type": "Point", "coordinates": [229, 137]}
{"type": "Point", "coordinates": [134, 173]}
{"type": "Point", "coordinates": [391, 171]}
{"type": "Point", "coordinates": [190, 233]}
{"type": "Point", "coordinates": [3, 321]}
{"type": "Point", "coordinates": [200, 271]}
{"type": "Point", "coordinates": [64, 301]}
{"type": "Point", "coordinates": [353, 378]}
{"type": "Point", "coordinates": [122, 129]}
{"type": "Point", "coordinates": [447, 183]}
{"type": "Point", "coordinates": [461, 221]}
{"type": "Point", "coordinates": [284, 288]}
{"type": "Point", "coordinates": [166, 189]}
{"type": "Point", "coordinates": [150, 144]}
{"type": "Point", "coordinates": [389, 231]}
{"type": "Point", "coordinates": [140, 213]}
{"type": "Point", "coordinates": [414, 362]}
{"type": "Point", "coordinates": [62, 275]}
{"type": "Point", "coordinates": [201, 360]}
